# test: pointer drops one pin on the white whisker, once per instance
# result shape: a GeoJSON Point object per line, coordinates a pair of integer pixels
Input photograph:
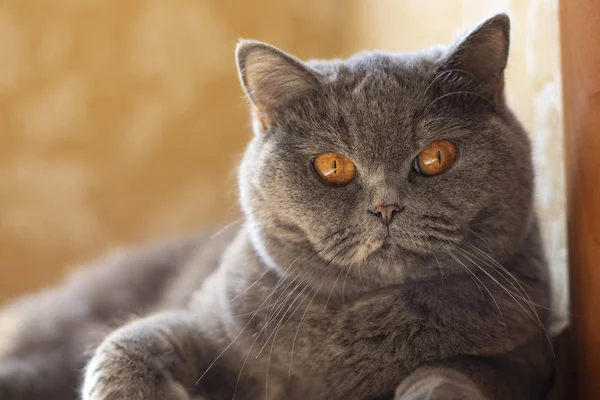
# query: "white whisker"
{"type": "Point", "coordinates": [535, 316]}
{"type": "Point", "coordinates": [225, 228]}
{"type": "Point", "coordinates": [485, 287]}
{"type": "Point", "coordinates": [440, 268]}
{"type": "Point", "coordinates": [304, 315]}
{"type": "Point", "coordinates": [459, 92]}
{"type": "Point", "coordinates": [247, 324]}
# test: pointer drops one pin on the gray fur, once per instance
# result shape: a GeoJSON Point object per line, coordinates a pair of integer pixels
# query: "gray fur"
{"type": "Point", "coordinates": [313, 297]}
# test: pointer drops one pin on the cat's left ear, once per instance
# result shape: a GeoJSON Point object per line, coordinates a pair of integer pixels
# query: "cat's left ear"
{"type": "Point", "coordinates": [272, 80]}
{"type": "Point", "coordinates": [482, 56]}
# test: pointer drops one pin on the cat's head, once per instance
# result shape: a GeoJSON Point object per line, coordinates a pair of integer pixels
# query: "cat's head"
{"type": "Point", "coordinates": [384, 156]}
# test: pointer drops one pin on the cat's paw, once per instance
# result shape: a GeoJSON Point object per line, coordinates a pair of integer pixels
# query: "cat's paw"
{"type": "Point", "coordinates": [433, 385]}
{"type": "Point", "coordinates": [114, 374]}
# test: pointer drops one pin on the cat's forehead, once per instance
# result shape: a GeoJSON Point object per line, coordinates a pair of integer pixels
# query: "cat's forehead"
{"type": "Point", "coordinates": [381, 86]}
{"type": "Point", "coordinates": [379, 93]}
{"type": "Point", "coordinates": [370, 69]}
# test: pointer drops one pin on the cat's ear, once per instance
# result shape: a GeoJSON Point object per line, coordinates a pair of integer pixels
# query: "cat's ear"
{"type": "Point", "coordinates": [272, 79]}
{"type": "Point", "coordinates": [482, 55]}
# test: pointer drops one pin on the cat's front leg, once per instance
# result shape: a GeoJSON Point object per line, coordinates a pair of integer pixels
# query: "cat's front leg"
{"type": "Point", "coordinates": [117, 374]}
{"type": "Point", "coordinates": [380, 338]}
{"type": "Point", "coordinates": [523, 374]}
{"type": "Point", "coordinates": [431, 383]}
{"type": "Point", "coordinates": [156, 358]}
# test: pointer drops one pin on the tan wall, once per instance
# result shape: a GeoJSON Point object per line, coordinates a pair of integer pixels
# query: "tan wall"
{"type": "Point", "coordinates": [123, 120]}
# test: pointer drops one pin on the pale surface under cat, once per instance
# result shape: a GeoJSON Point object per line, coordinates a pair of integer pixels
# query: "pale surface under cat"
{"type": "Point", "coordinates": [392, 275]}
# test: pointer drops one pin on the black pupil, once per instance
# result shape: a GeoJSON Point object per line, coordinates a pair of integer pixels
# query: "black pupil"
{"type": "Point", "coordinates": [439, 157]}
{"type": "Point", "coordinates": [335, 166]}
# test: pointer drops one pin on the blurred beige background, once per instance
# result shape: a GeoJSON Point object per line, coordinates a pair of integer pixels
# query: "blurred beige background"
{"type": "Point", "coordinates": [122, 121]}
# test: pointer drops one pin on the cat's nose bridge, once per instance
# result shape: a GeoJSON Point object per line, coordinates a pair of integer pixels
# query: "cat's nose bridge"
{"type": "Point", "coordinates": [384, 194]}
{"type": "Point", "coordinates": [387, 189]}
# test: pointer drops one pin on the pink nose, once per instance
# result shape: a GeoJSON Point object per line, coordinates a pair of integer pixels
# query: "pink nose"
{"type": "Point", "coordinates": [386, 212]}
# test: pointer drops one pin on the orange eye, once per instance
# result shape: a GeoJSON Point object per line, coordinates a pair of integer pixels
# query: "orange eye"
{"type": "Point", "coordinates": [334, 169]}
{"type": "Point", "coordinates": [435, 158]}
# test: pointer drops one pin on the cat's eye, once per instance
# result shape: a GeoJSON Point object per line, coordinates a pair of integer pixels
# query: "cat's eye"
{"type": "Point", "coordinates": [334, 169]}
{"type": "Point", "coordinates": [435, 158]}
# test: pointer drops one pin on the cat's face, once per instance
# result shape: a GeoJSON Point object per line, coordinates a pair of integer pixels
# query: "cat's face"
{"type": "Point", "coordinates": [381, 156]}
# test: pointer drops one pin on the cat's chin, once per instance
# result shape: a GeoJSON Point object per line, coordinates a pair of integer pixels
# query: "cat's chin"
{"type": "Point", "coordinates": [385, 246]}
{"type": "Point", "coordinates": [393, 249]}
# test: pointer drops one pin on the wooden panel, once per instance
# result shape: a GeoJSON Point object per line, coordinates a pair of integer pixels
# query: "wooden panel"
{"type": "Point", "coordinates": [580, 36]}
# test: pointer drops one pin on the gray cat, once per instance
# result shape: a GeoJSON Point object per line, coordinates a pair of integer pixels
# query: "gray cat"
{"type": "Point", "coordinates": [389, 249]}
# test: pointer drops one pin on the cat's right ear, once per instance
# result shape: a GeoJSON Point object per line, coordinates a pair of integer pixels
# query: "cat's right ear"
{"type": "Point", "coordinates": [482, 56]}
{"type": "Point", "coordinates": [272, 80]}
